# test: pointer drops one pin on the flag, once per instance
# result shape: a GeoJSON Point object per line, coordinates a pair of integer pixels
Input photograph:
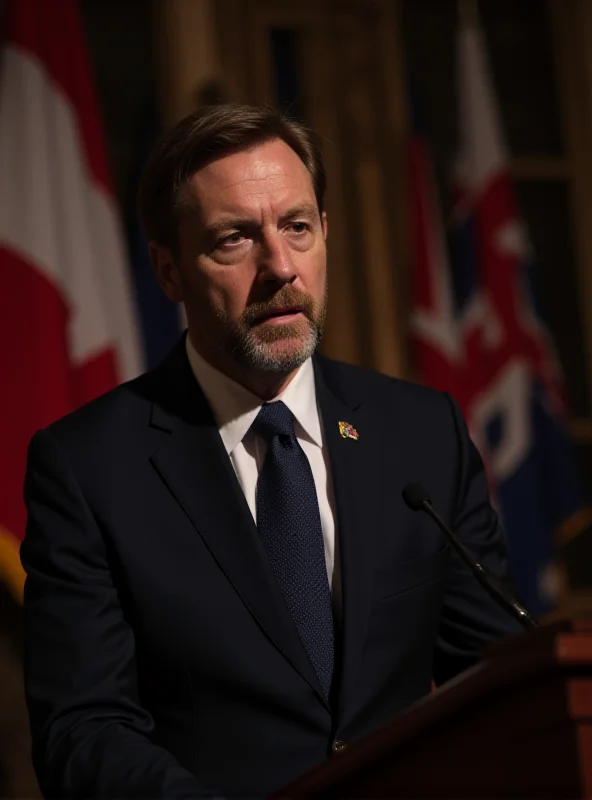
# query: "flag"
{"type": "Point", "coordinates": [436, 337]}
{"type": "Point", "coordinates": [67, 319]}
{"type": "Point", "coordinates": [479, 333]}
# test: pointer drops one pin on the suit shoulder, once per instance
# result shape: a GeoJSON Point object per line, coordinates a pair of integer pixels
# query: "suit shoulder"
{"type": "Point", "coordinates": [110, 414]}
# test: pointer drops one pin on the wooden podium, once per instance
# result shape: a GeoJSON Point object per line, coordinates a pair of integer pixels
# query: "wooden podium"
{"type": "Point", "coordinates": [519, 725]}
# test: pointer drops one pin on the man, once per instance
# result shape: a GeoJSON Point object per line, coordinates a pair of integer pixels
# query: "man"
{"type": "Point", "coordinates": [223, 580]}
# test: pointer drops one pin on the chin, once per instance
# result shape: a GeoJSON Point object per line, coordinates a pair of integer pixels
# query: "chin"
{"type": "Point", "coordinates": [283, 355]}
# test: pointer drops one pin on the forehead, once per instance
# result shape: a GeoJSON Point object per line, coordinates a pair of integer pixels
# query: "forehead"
{"type": "Point", "coordinates": [270, 173]}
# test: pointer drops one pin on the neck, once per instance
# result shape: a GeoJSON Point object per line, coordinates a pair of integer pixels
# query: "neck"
{"type": "Point", "coordinates": [265, 385]}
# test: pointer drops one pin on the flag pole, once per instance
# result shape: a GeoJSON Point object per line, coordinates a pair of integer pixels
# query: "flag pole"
{"type": "Point", "coordinates": [468, 13]}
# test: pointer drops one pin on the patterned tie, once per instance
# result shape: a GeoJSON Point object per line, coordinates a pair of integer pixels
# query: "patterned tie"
{"type": "Point", "coordinates": [289, 523]}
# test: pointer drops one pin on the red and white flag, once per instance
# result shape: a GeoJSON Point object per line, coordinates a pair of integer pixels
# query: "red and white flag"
{"type": "Point", "coordinates": [67, 320]}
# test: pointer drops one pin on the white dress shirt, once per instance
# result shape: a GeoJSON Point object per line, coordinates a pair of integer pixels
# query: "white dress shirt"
{"type": "Point", "coordinates": [235, 409]}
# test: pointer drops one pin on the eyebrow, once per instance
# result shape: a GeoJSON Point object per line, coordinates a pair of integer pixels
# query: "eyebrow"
{"type": "Point", "coordinates": [305, 210]}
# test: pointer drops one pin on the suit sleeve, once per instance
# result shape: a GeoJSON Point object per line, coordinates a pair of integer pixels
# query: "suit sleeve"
{"type": "Point", "coordinates": [471, 619]}
{"type": "Point", "coordinates": [91, 737]}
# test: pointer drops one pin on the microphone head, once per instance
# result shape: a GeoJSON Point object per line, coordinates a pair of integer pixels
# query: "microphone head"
{"type": "Point", "coordinates": [415, 495]}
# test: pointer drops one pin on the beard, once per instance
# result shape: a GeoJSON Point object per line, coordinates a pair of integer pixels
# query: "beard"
{"type": "Point", "coordinates": [278, 348]}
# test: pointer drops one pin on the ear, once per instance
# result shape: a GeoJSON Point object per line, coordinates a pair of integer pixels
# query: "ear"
{"type": "Point", "coordinates": [324, 224]}
{"type": "Point", "coordinates": [167, 271]}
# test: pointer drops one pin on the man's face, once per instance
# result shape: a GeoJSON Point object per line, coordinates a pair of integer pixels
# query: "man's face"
{"type": "Point", "coordinates": [251, 268]}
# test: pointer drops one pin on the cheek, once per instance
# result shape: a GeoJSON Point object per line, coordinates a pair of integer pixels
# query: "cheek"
{"type": "Point", "coordinates": [228, 291]}
{"type": "Point", "coordinates": [314, 275]}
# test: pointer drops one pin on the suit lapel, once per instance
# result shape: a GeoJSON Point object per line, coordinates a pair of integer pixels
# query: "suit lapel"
{"type": "Point", "coordinates": [196, 469]}
{"type": "Point", "coordinates": [357, 500]}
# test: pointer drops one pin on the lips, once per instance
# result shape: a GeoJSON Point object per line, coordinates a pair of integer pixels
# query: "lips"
{"type": "Point", "coordinates": [273, 313]}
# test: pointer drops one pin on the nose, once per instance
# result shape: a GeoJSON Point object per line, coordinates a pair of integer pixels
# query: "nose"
{"type": "Point", "coordinates": [276, 262]}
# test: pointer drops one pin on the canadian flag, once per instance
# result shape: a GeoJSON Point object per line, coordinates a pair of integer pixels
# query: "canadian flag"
{"type": "Point", "coordinates": [67, 320]}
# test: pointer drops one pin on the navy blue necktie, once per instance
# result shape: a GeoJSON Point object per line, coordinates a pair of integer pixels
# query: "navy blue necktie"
{"type": "Point", "coordinates": [289, 524]}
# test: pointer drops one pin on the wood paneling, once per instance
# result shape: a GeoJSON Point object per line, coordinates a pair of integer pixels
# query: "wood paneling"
{"type": "Point", "coordinates": [188, 44]}
{"type": "Point", "coordinates": [576, 94]}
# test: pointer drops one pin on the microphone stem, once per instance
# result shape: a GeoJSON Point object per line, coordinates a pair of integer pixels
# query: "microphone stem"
{"type": "Point", "coordinates": [490, 582]}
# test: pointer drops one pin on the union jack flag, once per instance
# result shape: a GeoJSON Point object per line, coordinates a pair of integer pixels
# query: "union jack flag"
{"type": "Point", "coordinates": [478, 333]}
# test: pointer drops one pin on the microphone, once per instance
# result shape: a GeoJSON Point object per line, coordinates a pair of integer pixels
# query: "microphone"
{"type": "Point", "coordinates": [417, 498]}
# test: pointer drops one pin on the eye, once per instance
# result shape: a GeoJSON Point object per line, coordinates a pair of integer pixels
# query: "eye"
{"type": "Point", "coordinates": [298, 227]}
{"type": "Point", "coordinates": [231, 240]}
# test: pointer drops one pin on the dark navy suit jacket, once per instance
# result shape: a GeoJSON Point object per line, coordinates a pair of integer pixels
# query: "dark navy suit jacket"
{"type": "Point", "coordinates": [161, 660]}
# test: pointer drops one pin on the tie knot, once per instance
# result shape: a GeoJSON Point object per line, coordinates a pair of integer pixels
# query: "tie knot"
{"type": "Point", "coordinates": [274, 419]}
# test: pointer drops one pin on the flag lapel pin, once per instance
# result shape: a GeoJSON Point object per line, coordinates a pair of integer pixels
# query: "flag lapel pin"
{"type": "Point", "coordinates": [348, 431]}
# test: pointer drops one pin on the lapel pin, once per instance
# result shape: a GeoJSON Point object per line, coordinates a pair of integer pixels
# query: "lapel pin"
{"type": "Point", "coordinates": [348, 431]}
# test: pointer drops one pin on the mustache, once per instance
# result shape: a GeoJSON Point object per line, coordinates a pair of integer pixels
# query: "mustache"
{"type": "Point", "coordinates": [287, 298]}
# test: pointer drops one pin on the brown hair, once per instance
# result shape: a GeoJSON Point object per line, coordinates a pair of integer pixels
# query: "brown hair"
{"type": "Point", "coordinates": [202, 137]}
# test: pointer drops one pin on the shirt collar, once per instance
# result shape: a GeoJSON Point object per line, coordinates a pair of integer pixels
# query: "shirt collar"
{"type": "Point", "coordinates": [235, 407]}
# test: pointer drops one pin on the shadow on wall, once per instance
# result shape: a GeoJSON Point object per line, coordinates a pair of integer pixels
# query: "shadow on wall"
{"type": "Point", "coordinates": [17, 779]}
